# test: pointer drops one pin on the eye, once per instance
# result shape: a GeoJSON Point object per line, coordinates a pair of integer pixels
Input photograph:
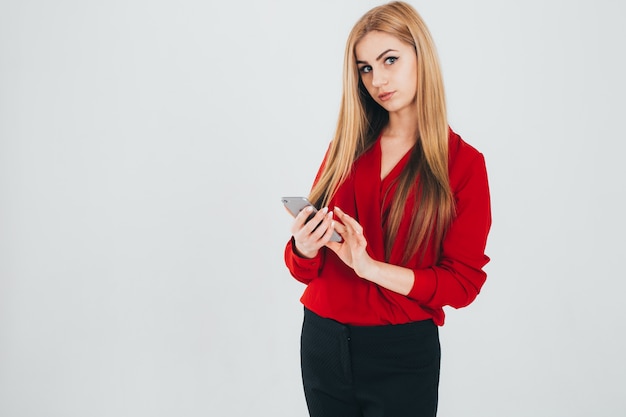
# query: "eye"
{"type": "Point", "coordinates": [365, 69]}
{"type": "Point", "coordinates": [390, 60]}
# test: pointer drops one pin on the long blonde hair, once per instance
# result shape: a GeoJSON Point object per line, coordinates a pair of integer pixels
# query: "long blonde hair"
{"type": "Point", "coordinates": [361, 120]}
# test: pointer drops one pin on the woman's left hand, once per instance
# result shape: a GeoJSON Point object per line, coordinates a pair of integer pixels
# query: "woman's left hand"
{"type": "Point", "coordinates": [352, 250]}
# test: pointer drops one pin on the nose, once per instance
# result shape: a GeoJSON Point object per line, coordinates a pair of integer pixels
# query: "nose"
{"type": "Point", "coordinates": [378, 79]}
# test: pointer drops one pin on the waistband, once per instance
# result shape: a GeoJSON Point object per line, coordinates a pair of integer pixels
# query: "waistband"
{"type": "Point", "coordinates": [377, 331]}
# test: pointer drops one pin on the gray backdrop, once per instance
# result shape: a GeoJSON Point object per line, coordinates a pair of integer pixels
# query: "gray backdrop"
{"type": "Point", "coordinates": [144, 148]}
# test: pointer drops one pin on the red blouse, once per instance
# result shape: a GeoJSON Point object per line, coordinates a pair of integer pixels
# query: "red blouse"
{"type": "Point", "coordinates": [335, 291]}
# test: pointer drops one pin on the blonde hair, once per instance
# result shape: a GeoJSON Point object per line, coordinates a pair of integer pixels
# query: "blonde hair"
{"type": "Point", "coordinates": [361, 120]}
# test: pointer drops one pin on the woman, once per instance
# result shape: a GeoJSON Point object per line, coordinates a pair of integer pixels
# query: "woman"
{"type": "Point", "coordinates": [411, 201]}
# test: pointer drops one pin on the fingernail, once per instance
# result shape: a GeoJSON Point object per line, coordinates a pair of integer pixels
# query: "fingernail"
{"type": "Point", "coordinates": [325, 209]}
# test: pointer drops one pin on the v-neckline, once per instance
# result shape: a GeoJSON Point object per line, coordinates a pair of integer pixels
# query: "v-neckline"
{"type": "Point", "coordinates": [395, 170]}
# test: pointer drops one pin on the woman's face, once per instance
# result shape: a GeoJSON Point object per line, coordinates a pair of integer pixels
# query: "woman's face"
{"type": "Point", "coordinates": [388, 69]}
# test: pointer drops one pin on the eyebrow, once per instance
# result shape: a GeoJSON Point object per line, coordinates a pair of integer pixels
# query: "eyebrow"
{"type": "Point", "coordinates": [378, 57]}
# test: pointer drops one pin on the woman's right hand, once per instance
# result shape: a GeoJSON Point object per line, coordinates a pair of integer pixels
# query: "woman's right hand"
{"type": "Point", "coordinates": [309, 239]}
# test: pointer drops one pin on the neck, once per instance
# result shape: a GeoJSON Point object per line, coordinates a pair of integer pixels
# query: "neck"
{"type": "Point", "coordinates": [402, 126]}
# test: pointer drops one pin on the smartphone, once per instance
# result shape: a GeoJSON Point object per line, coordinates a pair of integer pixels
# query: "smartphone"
{"type": "Point", "coordinates": [296, 204]}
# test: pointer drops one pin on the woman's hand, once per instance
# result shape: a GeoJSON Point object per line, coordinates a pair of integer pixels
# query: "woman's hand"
{"type": "Point", "coordinates": [352, 249]}
{"type": "Point", "coordinates": [309, 239]}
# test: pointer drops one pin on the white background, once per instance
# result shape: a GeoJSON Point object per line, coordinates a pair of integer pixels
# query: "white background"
{"type": "Point", "coordinates": [144, 148]}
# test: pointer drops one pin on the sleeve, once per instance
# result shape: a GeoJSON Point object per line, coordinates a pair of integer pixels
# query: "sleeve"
{"type": "Point", "coordinates": [304, 269]}
{"type": "Point", "coordinates": [458, 277]}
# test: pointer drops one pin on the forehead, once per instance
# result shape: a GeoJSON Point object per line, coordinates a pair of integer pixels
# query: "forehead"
{"type": "Point", "coordinates": [375, 42]}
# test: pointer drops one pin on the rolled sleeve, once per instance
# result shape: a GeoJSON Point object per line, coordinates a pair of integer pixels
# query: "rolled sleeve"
{"type": "Point", "coordinates": [303, 269]}
{"type": "Point", "coordinates": [458, 277]}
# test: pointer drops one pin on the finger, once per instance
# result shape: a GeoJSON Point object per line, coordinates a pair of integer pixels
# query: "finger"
{"type": "Point", "coordinates": [323, 228]}
{"type": "Point", "coordinates": [340, 228]}
{"type": "Point", "coordinates": [352, 225]}
{"type": "Point", "coordinates": [300, 219]}
{"type": "Point", "coordinates": [315, 221]}
{"type": "Point", "coordinates": [343, 215]}
{"type": "Point", "coordinates": [329, 223]}
{"type": "Point", "coordinates": [334, 246]}
{"type": "Point", "coordinates": [308, 240]}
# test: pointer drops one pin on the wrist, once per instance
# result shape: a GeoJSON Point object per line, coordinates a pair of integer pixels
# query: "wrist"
{"type": "Point", "coordinates": [369, 270]}
{"type": "Point", "coordinates": [304, 254]}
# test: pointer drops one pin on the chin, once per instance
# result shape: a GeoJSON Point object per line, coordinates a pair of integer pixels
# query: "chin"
{"type": "Point", "coordinates": [393, 107]}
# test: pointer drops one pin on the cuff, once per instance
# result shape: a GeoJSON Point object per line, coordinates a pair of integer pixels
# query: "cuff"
{"type": "Point", "coordinates": [424, 285]}
{"type": "Point", "coordinates": [300, 266]}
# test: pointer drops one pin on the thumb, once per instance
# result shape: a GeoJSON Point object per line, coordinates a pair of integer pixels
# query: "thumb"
{"type": "Point", "coordinates": [334, 246]}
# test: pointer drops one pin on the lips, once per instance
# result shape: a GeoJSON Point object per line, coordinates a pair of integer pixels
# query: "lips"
{"type": "Point", "coordinates": [386, 96]}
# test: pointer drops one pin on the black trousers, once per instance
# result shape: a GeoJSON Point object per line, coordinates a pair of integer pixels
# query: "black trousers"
{"type": "Point", "coordinates": [369, 371]}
